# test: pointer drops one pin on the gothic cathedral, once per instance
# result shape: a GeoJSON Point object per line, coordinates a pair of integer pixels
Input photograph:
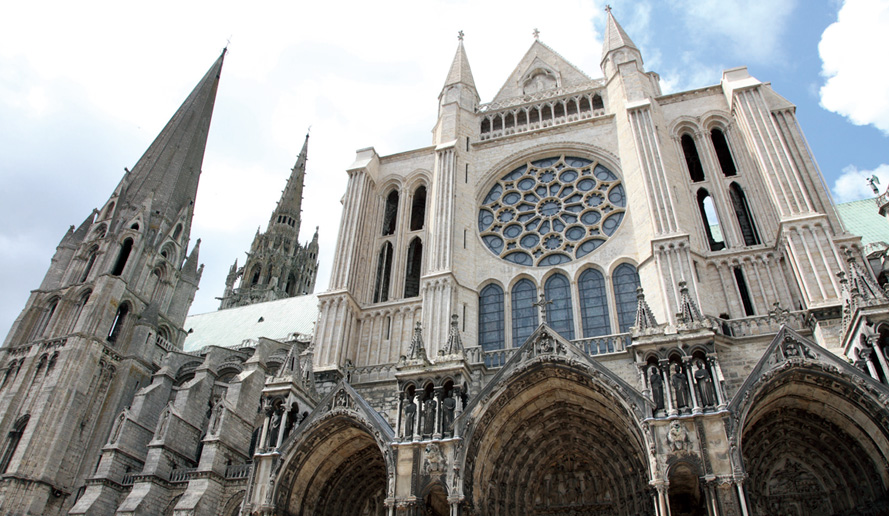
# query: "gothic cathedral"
{"type": "Point", "coordinates": [585, 297]}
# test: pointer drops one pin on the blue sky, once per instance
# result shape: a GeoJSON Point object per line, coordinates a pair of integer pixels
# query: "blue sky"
{"type": "Point", "coordinates": [85, 87]}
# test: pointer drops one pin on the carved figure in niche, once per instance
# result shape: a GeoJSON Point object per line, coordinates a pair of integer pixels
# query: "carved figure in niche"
{"type": "Point", "coordinates": [215, 417]}
{"type": "Point", "coordinates": [705, 384]}
{"type": "Point", "coordinates": [274, 427]}
{"type": "Point", "coordinates": [434, 460]}
{"type": "Point", "coordinates": [429, 416]}
{"type": "Point", "coordinates": [657, 387]}
{"type": "Point", "coordinates": [410, 414]}
{"type": "Point", "coordinates": [448, 405]}
{"type": "Point", "coordinates": [677, 436]}
{"type": "Point", "coordinates": [117, 427]}
{"type": "Point", "coordinates": [162, 426]}
{"type": "Point", "coordinates": [680, 386]}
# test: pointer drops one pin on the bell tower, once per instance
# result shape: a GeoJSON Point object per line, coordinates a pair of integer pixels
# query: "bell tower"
{"type": "Point", "coordinates": [111, 305]}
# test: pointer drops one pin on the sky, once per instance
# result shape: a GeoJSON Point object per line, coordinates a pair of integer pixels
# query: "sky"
{"type": "Point", "coordinates": [86, 86]}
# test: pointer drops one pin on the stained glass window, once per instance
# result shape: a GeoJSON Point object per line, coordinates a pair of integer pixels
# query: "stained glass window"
{"type": "Point", "coordinates": [593, 304]}
{"type": "Point", "coordinates": [559, 314]}
{"type": "Point", "coordinates": [626, 281]}
{"type": "Point", "coordinates": [524, 313]}
{"type": "Point", "coordinates": [490, 318]}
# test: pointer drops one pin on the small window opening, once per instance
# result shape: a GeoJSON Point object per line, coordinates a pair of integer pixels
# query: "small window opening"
{"type": "Point", "coordinates": [257, 272]}
{"type": "Point", "coordinates": [384, 271]}
{"type": "Point", "coordinates": [388, 326]}
{"type": "Point", "coordinates": [467, 144]}
{"type": "Point", "coordinates": [123, 257]}
{"type": "Point", "coordinates": [177, 231]}
{"type": "Point", "coordinates": [742, 290]}
{"type": "Point", "coordinates": [119, 320]}
{"type": "Point", "coordinates": [723, 154]}
{"type": "Point", "coordinates": [695, 170]}
{"type": "Point", "coordinates": [40, 329]}
{"type": "Point", "coordinates": [597, 102]}
{"type": "Point", "coordinates": [89, 264]}
{"type": "Point", "coordinates": [466, 174]}
{"type": "Point", "coordinates": [745, 218]}
{"type": "Point", "coordinates": [391, 213]}
{"type": "Point", "coordinates": [135, 226]}
{"type": "Point", "coordinates": [712, 228]}
{"type": "Point", "coordinates": [418, 209]}
{"type": "Point", "coordinates": [414, 265]}
{"type": "Point", "coordinates": [12, 442]}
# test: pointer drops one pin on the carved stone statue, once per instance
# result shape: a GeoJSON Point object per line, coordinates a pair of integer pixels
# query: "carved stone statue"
{"type": "Point", "coordinates": [274, 427]}
{"type": "Point", "coordinates": [677, 436]}
{"type": "Point", "coordinates": [657, 387]}
{"type": "Point", "coordinates": [448, 405]}
{"type": "Point", "coordinates": [705, 384]}
{"type": "Point", "coordinates": [434, 460]}
{"type": "Point", "coordinates": [215, 417]}
{"type": "Point", "coordinates": [410, 414]}
{"type": "Point", "coordinates": [429, 416]}
{"type": "Point", "coordinates": [680, 386]}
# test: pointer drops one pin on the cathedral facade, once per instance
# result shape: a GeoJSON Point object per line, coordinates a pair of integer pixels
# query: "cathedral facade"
{"type": "Point", "coordinates": [584, 297]}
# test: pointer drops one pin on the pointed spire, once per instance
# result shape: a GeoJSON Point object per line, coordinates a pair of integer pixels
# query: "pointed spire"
{"type": "Point", "coordinates": [460, 72]}
{"type": "Point", "coordinates": [169, 170]}
{"type": "Point", "coordinates": [191, 268]}
{"type": "Point", "coordinates": [644, 316]}
{"type": "Point", "coordinates": [689, 313]}
{"type": "Point", "coordinates": [615, 37]}
{"type": "Point", "coordinates": [455, 343]}
{"type": "Point", "coordinates": [417, 351]}
{"type": "Point", "coordinates": [290, 205]}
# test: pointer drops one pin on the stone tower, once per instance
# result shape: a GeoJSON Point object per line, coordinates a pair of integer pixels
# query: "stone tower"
{"type": "Point", "coordinates": [111, 306]}
{"type": "Point", "coordinates": [277, 266]}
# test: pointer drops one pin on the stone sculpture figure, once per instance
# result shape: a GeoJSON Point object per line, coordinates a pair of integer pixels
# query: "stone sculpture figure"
{"type": "Point", "coordinates": [657, 387]}
{"type": "Point", "coordinates": [705, 384]}
{"type": "Point", "coordinates": [429, 416]}
{"type": "Point", "coordinates": [410, 414]}
{"type": "Point", "coordinates": [274, 426]}
{"type": "Point", "coordinates": [448, 405]}
{"type": "Point", "coordinates": [680, 386]}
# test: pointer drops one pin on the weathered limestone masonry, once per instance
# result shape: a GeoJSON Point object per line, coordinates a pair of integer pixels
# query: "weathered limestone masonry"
{"type": "Point", "coordinates": [584, 297]}
{"type": "Point", "coordinates": [588, 297]}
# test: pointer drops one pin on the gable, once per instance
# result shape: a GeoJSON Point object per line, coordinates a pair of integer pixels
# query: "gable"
{"type": "Point", "coordinates": [540, 69]}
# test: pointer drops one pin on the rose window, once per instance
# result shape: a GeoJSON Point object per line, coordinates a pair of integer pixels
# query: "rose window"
{"type": "Point", "coordinates": [551, 211]}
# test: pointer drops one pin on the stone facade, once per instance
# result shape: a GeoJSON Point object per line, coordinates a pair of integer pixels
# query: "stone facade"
{"type": "Point", "coordinates": [585, 297]}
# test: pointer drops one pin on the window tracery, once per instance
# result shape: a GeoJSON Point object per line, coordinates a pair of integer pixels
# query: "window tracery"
{"type": "Point", "coordinates": [551, 211]}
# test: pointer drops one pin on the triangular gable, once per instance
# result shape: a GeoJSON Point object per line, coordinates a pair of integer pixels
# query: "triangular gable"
{"type": "Point", "coordinates": [541, 56]}
{"type": "Point", "coordinates": [789, 348]}
{"type": "Point", "coordinates": [343, 399]}
{"type": "Point", "coordinates": [547, 345]}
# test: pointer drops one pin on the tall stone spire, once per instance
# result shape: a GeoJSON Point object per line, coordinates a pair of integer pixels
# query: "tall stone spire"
{"type": "Point", "coordinates": [460, 73]}
{"type": "Point", "coordinates": [169, 170]}
{"type": "Point", "coordinates": [290, 205]}
{"type": "Point", "coordinates": [615, 37]}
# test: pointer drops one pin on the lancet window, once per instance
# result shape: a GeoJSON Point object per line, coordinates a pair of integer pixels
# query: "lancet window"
{"type": "Point", "coordinates": [120, 319]}
{"type": "Point", "coordinates": [384, 273]}
{"type": "Point", "coordinates": [524, 313]}
{"type": "Point", "coordinates": [122, 258]}
{"type": "Point", "coordinates": [593, 304]}
{"type": "Point", "coordinates": [559, 314]}
{"type": "Point", "coordinates": [12, 442]}
{"type": "Point", "coordinates": [712, 229]}
{"type": "Point", "coordinates": [418, 209]}
{"type": "Point", "coordinates": [390, 213]}
{"type": "Point", "coordinates": [490, 318]}
{"type": "Point", "coordinates": [626, 281]}
{"type": "Point", "coordinates": [692, 159]}
{"type": "Point", "coordinates": [742, 212]}
{"type": "Point", "coordinates": [723, 154]}
{"type": "Point", "coordinates": [414, 266]}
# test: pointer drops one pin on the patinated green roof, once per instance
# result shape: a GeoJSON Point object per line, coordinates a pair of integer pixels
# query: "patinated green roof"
{"type": "Point", "coordinates": [862, 218]}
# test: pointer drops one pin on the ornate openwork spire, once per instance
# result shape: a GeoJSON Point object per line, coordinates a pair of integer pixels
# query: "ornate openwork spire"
{"type": "Point", "coordinates": [861, 284]}
{"type": "Point", "coordinates": [644, 317]}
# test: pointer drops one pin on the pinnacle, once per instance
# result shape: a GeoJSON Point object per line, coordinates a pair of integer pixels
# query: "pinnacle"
{"type": "Point", "coordinates": [460, 71]}
{"type": "Point", "coordinates": [615, 37]}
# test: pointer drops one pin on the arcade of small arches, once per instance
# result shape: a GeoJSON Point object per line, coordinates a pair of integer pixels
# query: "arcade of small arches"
{"type": "Point", "coordinates": [680, 381]}
{"type": "Point", "coordinates": [413, 256]}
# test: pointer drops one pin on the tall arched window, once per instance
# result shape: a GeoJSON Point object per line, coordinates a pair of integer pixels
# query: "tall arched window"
{"type": "Point", "coordinates": [418, 209]}
{"type": "Point", "coordinates": [490, 318]}
{"type": "Point", "coordinates": [745, 218]}
{"type": "Point", "coordinates": [257, 274]}
{"type": "Point", "coordinates": [122, 258]}
{"type": "Point", "coordinates": [78, 309]}
{"type": "Point", "coordinates": [723, 154]}
{"type": "Point", "coordinates": [712, 229]}
{"type": "Point", "coordinates": [559, 314]}
{"type": "Point", "coordinates": [12, 441]}
{"type": "Point", "coordinates": [625, 281]}
{"type": "Point", "coordinates": [120, 318]}
{"type": "Point", "coordinates": [593, 304]}
{"type": "Point", "coordinates": [90, 261]}
{"type": "Point", "coordinates": [414, 266]}
{"type": "Point", "coordinates": [40, 329]}
{"type": "Point", "coordinates": [291, 287]}
{"type": "Point", "coordinates": [695, 170]}
{"type": "Point", "coordinates": [390, 213]}
{"type": "Point", "coordinates": [524, 313]}
{"type": "Point", "coordinates": [384, 272]}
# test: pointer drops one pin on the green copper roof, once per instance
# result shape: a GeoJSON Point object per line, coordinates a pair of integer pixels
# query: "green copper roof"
{"type": "Point", "coordinates": [862, 218]}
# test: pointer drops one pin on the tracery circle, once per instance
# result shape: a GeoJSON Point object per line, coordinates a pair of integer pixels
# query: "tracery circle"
{"type": "Point", "coordinates": [551, 211]}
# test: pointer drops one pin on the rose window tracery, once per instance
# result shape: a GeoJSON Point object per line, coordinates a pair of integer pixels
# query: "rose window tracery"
{"type": "Point", "coordinates": [551, 211]}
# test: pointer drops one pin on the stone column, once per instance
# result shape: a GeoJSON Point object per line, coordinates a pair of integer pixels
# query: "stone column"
{"type": "Point", "coordinates": [716, 377]}
{"type": "Point", "coordinates": [868, 355]}
{"type": "Point", "coordinates": [399, 432]}
{"type": "Point", "coordinates": [668, 387]}
{"type": "Point", "coordinates": [695, 406]}
{"type": "Point", "coordinates": [284, 417]}
{"type": "Point", "coordinates": [881, 357]}
{"type": "Point", "coordinates": [742, 499]}
{"type": "Point", "coordinates": [646, 388]}
{"type": "Point", "coordinates": [416, 430]}
{"type": "Point", "coordinates": [663, 505]}
{"type": "Point", "coordinates": [437, 396]}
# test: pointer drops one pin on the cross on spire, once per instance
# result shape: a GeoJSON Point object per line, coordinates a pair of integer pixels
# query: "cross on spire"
{"type": "Point", "coordinates": [536, 34]}
{"type": "Point", "coordinates": [542, 306]}
{"type": "Point", "coordinates": [460, 35]}
{"type": "Point", "coordinates": [608, 8]}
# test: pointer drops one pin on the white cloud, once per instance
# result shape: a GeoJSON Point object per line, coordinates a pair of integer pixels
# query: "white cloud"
{"type": "Point", "coordinates": [856, 64]}
{"type": "Point", "coordinates": [852, 184]}
{"type": "Point", "coordinates": [750, 29]}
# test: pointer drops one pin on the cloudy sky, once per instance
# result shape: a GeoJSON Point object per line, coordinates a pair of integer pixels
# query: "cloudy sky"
{"type": "Point", "coordinates": [86, 86]}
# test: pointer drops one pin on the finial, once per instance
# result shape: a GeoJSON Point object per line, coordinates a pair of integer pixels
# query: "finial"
{"type": "Point", "coordinates": [608, 8]}
{"type": "Point", "coordinates": [460, 35]}
{"type": "Point", "coordinates": [873, 181]}
{"type": "Point", "coordinates": [536, 34]}
{"type": "Point", "coordinates": [541, 305]}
